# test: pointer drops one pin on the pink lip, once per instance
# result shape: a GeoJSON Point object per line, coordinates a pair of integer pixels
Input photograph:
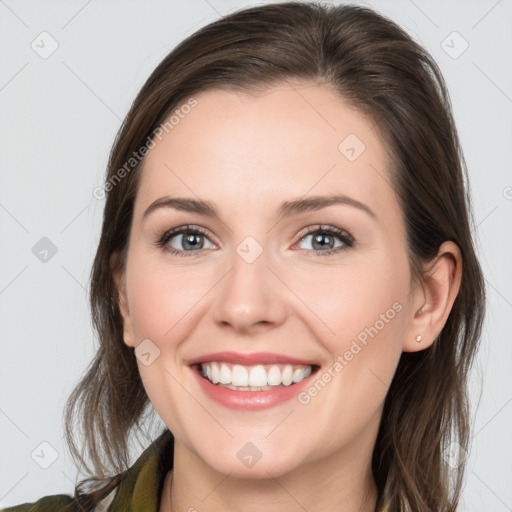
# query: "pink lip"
{"type": "Point", "coordinates": [249, 359]}
{"type": "Point", "coordinates": [250, 400]}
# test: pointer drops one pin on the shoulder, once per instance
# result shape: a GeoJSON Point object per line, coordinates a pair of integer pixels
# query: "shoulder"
{"type": "Point", "coordinates": [58, 503]}
{"type": "Point", "coordinates": [54, 503]}
{"type": "Point", "coordinates": [139, 488]}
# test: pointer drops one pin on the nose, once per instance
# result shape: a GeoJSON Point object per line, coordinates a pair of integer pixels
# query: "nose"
{"type": "Point", "coordinates": [251, 297]}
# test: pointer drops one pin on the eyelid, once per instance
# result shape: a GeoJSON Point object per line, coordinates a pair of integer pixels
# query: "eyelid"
{"type": "Point", "coordinates": [327, 228]}
{"type": "Point", "coordinates": [342, 234]}
{"type": "Point", "coordinates": [178, 230]}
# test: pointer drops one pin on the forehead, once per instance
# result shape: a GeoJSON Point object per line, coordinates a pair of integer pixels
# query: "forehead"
{"type": "Point", "coordinates": [245, 152]}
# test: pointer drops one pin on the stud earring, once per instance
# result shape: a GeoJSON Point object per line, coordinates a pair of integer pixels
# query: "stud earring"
{"type": "Point", "coordinates": [418, 339]}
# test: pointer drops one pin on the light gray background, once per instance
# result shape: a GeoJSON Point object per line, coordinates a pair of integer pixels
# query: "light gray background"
{"type": "Point", "coordinates": [59, 116]}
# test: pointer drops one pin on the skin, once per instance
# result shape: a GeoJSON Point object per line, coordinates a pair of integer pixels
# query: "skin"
{"type": "Point", "coordinates": [246, 154]}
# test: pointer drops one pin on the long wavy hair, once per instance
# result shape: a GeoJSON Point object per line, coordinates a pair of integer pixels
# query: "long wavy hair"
{"type": "Point", "coordinates": [378, 68]}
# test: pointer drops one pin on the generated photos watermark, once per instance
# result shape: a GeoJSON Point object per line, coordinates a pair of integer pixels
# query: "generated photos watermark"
{"type": "Point", "coordinates": [342, 360]}
{"type": "Point", "coordinates": [137, 156]}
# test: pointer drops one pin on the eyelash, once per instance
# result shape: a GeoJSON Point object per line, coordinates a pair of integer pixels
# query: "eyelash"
{"type": "Point", "coordinates": [343, 235]}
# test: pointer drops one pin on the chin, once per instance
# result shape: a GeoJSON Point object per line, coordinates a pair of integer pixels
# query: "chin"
{"type": "Point", "coordinates": [251, 462]}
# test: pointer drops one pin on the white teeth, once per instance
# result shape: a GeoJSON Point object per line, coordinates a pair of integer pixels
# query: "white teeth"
{"type": "Point", "coordinates": [287, 375]}
{"type": "Point", "coordinates": [215, 377]}
{"type": "Point", "coordinates": [298, 375]}
{"type": "Point", "coordinates": [254, 378]}
{"type": "Point", "coordinates": [274, 376]}
{"type": "Point", "coordinates": [258, 376]}
{"type": "Point", "coordinates": [239, 376]}
{"type": "Point", "coordinates": [225, 374]}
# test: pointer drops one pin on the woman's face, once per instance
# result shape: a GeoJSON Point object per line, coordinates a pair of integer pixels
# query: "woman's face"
{"type": "Point", "coordinates": [263, 294]}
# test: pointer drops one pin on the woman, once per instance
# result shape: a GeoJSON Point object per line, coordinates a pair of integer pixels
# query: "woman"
{"type": "Point", "coordinates": [286, 275]}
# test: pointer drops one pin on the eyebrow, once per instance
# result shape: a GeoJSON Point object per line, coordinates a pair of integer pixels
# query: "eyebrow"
{"type": "Point", "coordinates": [287, 209]}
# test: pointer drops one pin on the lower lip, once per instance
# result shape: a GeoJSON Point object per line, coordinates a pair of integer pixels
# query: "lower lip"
{"type": "Point", "coordinates": [250, 400]}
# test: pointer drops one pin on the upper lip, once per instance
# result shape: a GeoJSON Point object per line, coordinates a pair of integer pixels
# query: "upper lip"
{"type": "Point", "coordinates": [249, 359]}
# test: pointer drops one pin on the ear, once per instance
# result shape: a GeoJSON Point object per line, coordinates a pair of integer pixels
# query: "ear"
{"type": "Point", "coordinates": [433, 298]}
{"type": "Point", "coordinates": [120, 284]}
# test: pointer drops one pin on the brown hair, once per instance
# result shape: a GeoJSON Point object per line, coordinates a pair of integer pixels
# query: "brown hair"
{"type": "Point", "coordinates": [377, 67]}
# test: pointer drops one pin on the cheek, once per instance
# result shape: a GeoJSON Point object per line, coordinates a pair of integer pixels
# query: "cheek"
{"type": "Point", "coordinates": [364, 309]}
{"type": "Point", "coordinates": [162, 302]}
{"type": "Point", "coordinates": [354, 300]}
{"type": "Point", "coordinates": [161, 299]}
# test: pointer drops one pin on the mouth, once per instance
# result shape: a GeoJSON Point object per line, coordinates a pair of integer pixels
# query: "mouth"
{"type": "Point", "coordinates": [252, 381]}
{"type": "Point", "coordinates": [259, 377]}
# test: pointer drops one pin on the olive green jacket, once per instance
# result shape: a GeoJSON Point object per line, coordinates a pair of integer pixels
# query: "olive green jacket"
{"type": "Point", "coordinates": [139, 490]}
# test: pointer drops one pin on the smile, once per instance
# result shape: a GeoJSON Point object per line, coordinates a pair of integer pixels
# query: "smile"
{"type": "Point", "coordinates": [251, 381]}
{"type": "Point", "coordinates": [261, 377]}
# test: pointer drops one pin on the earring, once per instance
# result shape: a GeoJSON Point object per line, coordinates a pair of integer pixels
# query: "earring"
{"type": "Point", "coordinates": [418, 339]}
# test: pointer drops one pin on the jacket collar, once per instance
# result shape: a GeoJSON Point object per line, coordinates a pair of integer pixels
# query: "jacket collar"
{"type": "Point", "coordinates": [141, 488]}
